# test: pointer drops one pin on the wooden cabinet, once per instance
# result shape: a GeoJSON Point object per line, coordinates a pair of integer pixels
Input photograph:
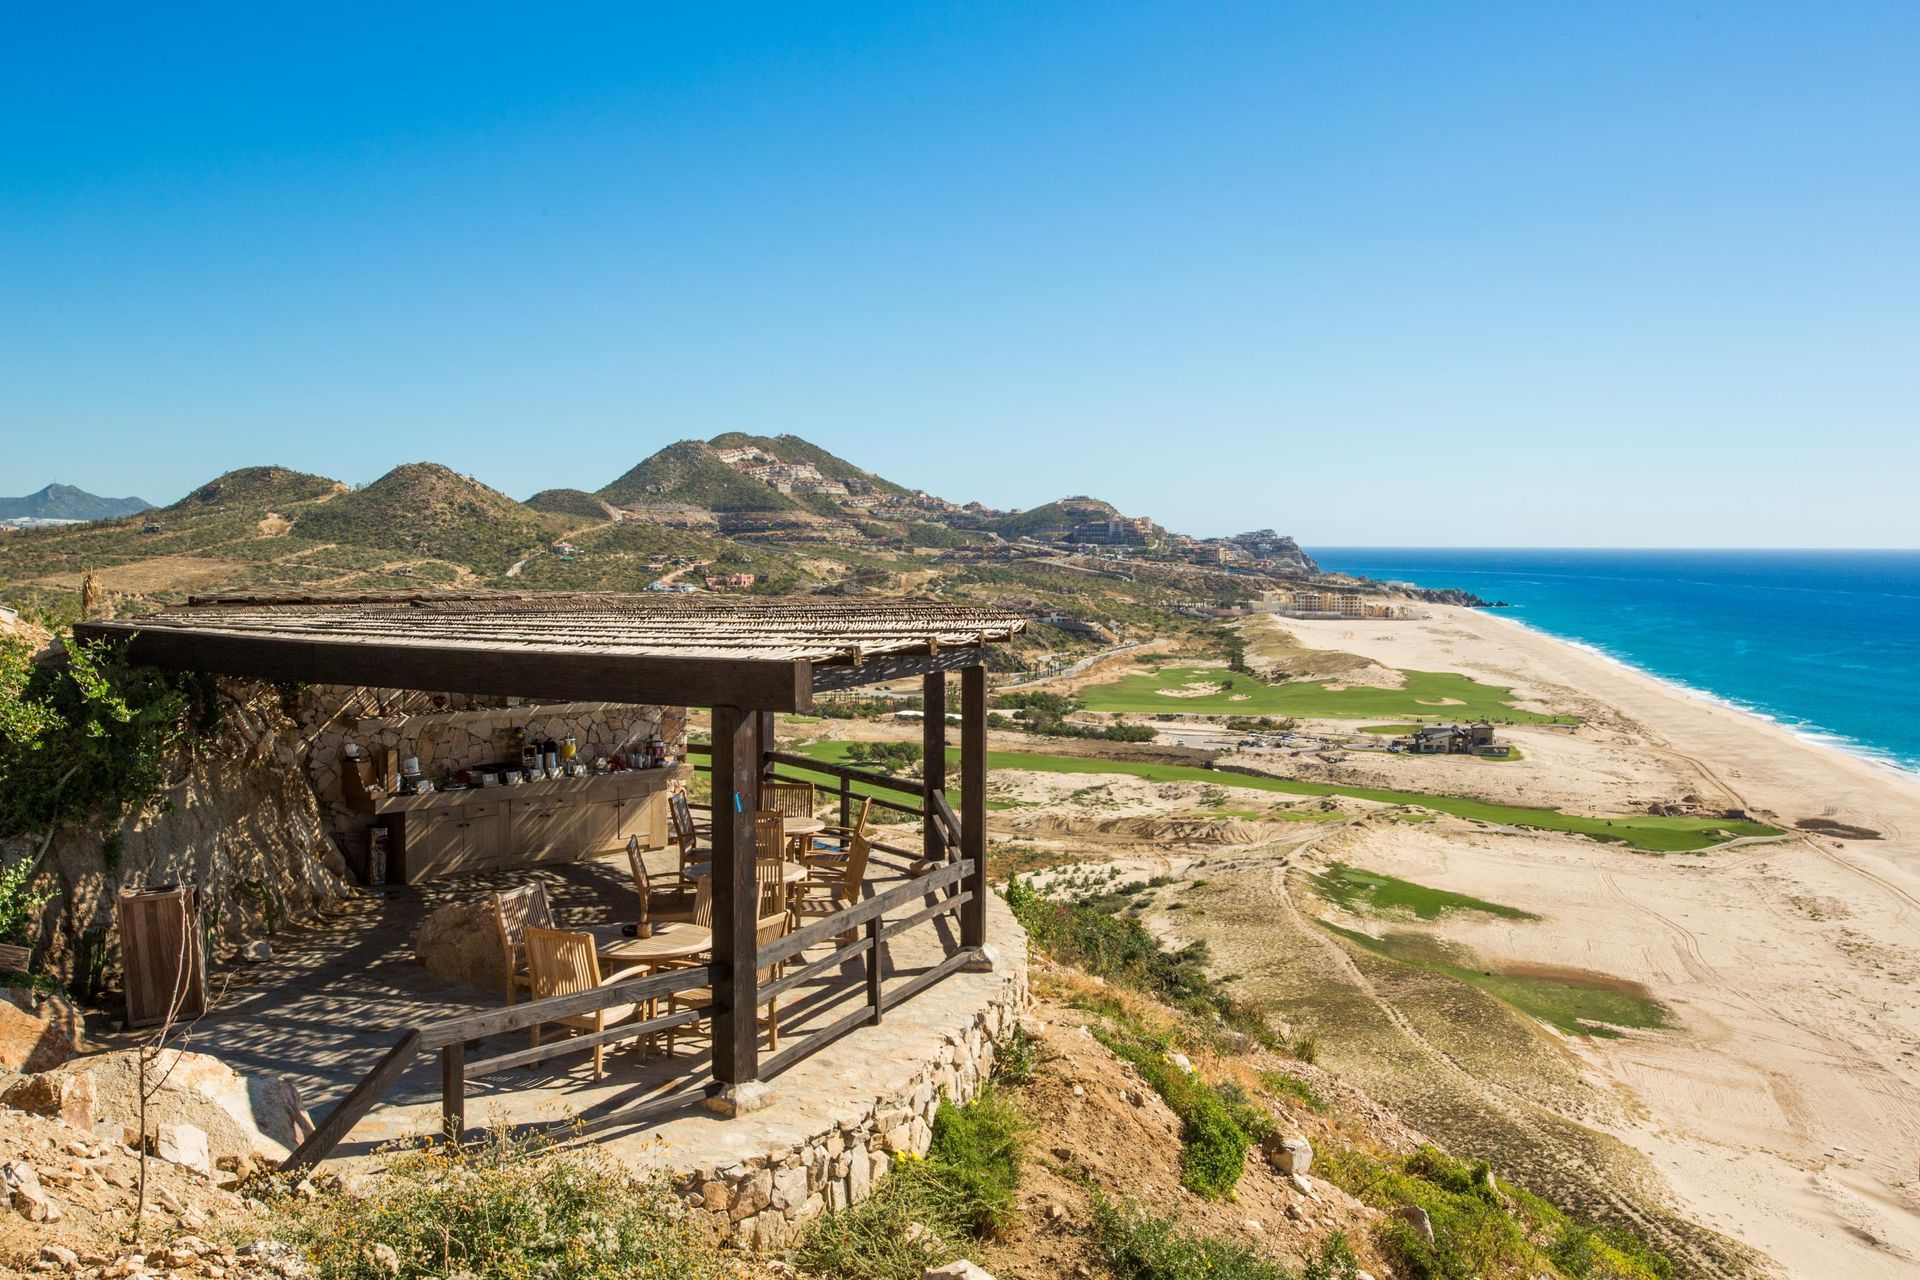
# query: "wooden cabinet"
{"type": "Point", "coordinates": [459, 833]}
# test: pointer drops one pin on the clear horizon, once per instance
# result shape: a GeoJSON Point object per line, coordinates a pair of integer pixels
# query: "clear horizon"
{"type": "Point", "coordinates": [1341, 272]}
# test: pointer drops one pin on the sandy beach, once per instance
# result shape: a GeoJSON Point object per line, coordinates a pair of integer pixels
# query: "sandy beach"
{"type": "Point", "coordinates": [1783, 1108]}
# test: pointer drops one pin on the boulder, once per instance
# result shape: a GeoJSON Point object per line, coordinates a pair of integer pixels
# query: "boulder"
{"type": "Point", "coordinates": [257, 1117]}
{"type": "Point", "coordinates": [59, 1095]}
{"type": "Point", "coordinates": [1417, 1221]}
{"type": "Point", "coordinates": [184, 1145]}
{"type": "Point", "coordinates": [461, 943]}
{"type": "Point", "coordinates": [38, 1030]}
{"type": "Point", "coordinates": [1288, 1154]}
{"type": "Point", "coordinates": [21, 1185]}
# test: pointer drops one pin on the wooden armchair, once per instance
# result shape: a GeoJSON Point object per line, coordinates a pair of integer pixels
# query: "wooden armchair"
{"type": "Point", "coordinates": [772, 928]}
{"type": "Point", "coordinates": [686, 836]}
{"type": "Point", "coordinates": [830, 846]}
{"type": "Point", "coordinates": [562, 963]}
{"type": "Point", "coordinates": [829, 890]}
{"type": "Point", "coordinates": [514, 911]}
{"type": "Point", "coordinates": [655, 905]}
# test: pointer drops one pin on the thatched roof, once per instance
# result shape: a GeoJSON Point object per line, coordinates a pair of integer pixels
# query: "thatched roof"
{"type": "Point", "coordinates": [538, 642]}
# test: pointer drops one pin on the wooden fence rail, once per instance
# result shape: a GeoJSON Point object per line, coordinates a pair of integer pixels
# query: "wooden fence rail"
{"type": "Point", "coordinates": [452, 1036]}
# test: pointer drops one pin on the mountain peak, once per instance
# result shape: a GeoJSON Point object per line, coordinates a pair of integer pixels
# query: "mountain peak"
{"type": "Point", "coordinates": [65, 502]}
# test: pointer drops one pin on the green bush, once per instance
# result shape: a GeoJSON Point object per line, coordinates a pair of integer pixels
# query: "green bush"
{"type": "Point", "coordinates": [963, 1190]}
{"type": "Point", "coordinates": [975, 1158]}
{"type": "Point", "coordinates": [1282, 1085]}
{"type": "Point", "coordinates": [1091, 935]}
{"type": "Point", "coordinates": [502, 1207]}
{"type": "Point", "coordinates": [1213, 1146]}
{"type": "Point", "coordinates": [1483, 1226]}
{"type": "Point", "coordinates": [20, 902]}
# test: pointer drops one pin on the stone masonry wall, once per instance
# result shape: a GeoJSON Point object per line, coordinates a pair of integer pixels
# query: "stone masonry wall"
{"type": "Point", "coordinates": [766, 1200]}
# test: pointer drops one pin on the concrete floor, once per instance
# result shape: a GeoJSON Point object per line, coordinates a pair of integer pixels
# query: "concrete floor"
{"type": "Point", "coordinates": [337, 995]}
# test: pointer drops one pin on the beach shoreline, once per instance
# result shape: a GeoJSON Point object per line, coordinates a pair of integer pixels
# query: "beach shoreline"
{"type": "Point", "coordinates": [1806, 732]}
{"type": "Point", "coordinates": [1784, 1107]}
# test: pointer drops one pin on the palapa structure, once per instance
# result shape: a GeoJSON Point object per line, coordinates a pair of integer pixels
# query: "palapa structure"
{"type": "Point", "coordinates": [745, 659]}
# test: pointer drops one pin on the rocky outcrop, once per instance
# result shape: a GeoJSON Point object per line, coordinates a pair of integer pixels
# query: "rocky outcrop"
{"type": "Point", "coordinates": [238, 818]}
{"type": "Point", "coordinates": [254, 1118]}
{"type": "Point", "coordinates": [38, 1030]}
{"type": "Point", "coordinates": [461, 943]}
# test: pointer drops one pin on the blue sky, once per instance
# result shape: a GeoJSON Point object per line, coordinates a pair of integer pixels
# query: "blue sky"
{"type": "Point", "coordinates": [1369, 273]}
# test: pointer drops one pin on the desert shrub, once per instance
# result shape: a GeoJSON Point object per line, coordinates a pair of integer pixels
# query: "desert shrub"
{"type": "Point", "coordinates": [502, 1206]}
{"type": "Point", "coordinates": [1213, 1146]}
{"type": "Point", "coordinates": [84, 739]}
{"type": "Point", "coordinates": [1137, 1245]}
{"type": "Point", "coordinates": [1253, 1119]}
{"type": "Point", "coordinates": [1017, 1059]}
{"type": "Point", "coordinates": [975, 1159]}
{"type": "Point", "coordinates": [925, 1211]}
{"type": "Point", "coordinates": [1483, 1226]}
{"type": "Point", "coordinates": [1091, 935]}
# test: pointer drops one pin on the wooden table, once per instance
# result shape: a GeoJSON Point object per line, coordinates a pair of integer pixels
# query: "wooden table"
{"type": "Point", "coordinates": [790, 872]}
{"type": "Point", "coordinates": [671, 940]}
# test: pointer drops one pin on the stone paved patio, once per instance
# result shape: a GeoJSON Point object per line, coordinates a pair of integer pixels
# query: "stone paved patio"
{"type": "Point", "coordinates": [337, 995]}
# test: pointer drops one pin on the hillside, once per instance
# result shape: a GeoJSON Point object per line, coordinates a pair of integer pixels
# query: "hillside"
{"type": "Point", "coordinates": [425, 509]}
{"type": "Point", "coordinates": [790, 448]}
{"type": "Point", "coordinates": [198, 541]}
{"type": "Point", "coordinates": [568, 502]}
{"type": "Point", "coordinates": [64, 502]}
{"type": "Point", "coordinates": [687, 471]}
{"type": "Point", "coordinates": [1054, 517]}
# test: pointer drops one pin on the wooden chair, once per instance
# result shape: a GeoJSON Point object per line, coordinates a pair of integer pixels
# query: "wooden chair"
{"type": "Point", "coordinates": [788, 799]}
{"type": "Point", "coordinates": [562, 963]}
{"type": "Point", "coordinates": [827, 891]}
{"type": "Point", "coordinates": [514, 911]}
{"type": "Point", "coordinates": [770, 834]}
{"type": "Point", "coordinates": [772, 928]}
{"type": "Point", "coordinates": [831, 845]}
{"type": "Point", "coordinates": [770, 879]}
{"type": "Point", "coordinates": [686, 836]}
{"type": "Point", "coordinates": [654, 905]}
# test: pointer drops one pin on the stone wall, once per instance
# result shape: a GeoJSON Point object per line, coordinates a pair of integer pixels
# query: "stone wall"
{"type": "Point", "coordinates": [450, 732]}
{"type": "Point", "coordinates": [237, 818]}
{"type": "Point", "coordinates": [765, 1200]}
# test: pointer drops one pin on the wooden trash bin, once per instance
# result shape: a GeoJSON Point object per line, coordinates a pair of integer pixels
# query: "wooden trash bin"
{"type": "Point", "coordinates": [160, 944]}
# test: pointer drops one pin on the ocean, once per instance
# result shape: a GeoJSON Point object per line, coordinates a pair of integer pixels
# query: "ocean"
{"type": "Point", "coordinates": [1824, 642]}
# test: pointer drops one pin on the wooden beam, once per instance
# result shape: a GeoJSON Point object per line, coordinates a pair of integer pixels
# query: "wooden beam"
{"type": "Point", "coordinates": [973, 802]}
{"type": "Point", "coordinates": [892, 666]}
{"type": "Point", "coordinates": [933, 760]}
{"type": "Point", "coordinates": [591, 675]}
{"type": "Point", "coordinates": [736, 893]}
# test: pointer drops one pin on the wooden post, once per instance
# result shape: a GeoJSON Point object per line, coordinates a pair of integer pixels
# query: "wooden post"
{"type": "Point", "coordinates": [453, 1091]}
{"type": "Point", "coordinates": [768, 740]}
{"type": "Point", "coordinates": [876, 973]}
{"type": "Point", "coordinates": [736, 778]}
{"type": "Point", "coordinates": [973, 801]}
{"type": "Point", "coordinates": [933, 764]}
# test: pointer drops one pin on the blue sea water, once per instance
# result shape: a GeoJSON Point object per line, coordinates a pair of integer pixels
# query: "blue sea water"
{"type": "Point", "coordinates": [1825, 642]}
